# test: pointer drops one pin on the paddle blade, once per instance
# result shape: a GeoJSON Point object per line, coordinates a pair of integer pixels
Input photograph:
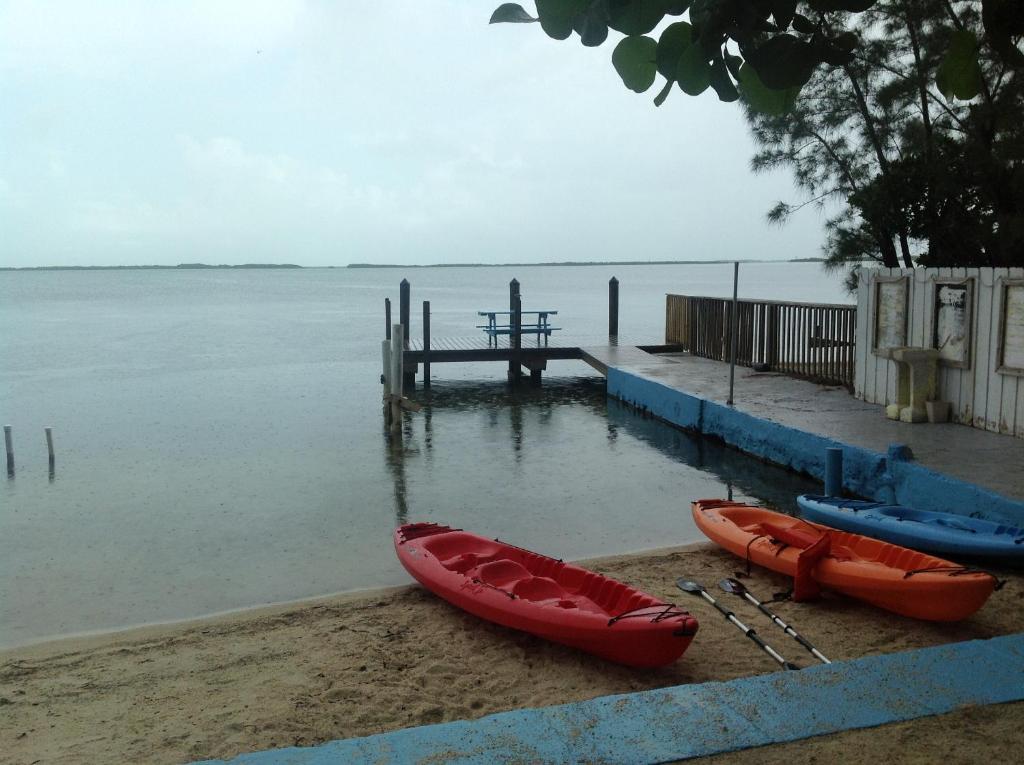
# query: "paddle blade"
{"type": "Point", "coordinates": [688, 586]}
{"type": "Point", "coordinates": [731, 585]}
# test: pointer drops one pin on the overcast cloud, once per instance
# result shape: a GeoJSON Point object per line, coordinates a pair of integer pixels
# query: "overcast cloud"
{"type": "Point", "coordinates": [338, 132]}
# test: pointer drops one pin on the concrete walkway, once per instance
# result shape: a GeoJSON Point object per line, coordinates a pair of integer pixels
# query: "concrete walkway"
{"type": "Point", "coordinates": [691, 392]}
{"type": "Point", "coordinates": [695, 720]}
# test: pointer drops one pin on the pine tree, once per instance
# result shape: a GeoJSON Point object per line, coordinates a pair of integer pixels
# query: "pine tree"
{"type": "Point", "coordinates": [921, 176]}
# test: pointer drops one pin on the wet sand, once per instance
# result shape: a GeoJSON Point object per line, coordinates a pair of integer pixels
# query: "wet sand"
{"type": "Point", "coordinates": [364, 663]}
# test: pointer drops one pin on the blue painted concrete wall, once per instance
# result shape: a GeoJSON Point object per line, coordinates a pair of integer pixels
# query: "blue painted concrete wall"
{"type": "Point", "coordinates": [890, 477]}
{"type": "Point", "coordinates": [695, 720]}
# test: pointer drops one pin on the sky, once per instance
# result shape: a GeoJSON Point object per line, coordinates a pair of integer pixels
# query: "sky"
{"type": "Point", "coordinates": [329, 133]}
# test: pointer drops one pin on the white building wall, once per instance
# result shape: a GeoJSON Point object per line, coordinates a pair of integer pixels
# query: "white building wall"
{"type": "Point", "coordinates": [981, 394]}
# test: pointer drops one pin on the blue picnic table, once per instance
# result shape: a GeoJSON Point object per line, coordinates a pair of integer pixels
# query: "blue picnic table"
{"type": "Point", "coordinates": [540, 326]}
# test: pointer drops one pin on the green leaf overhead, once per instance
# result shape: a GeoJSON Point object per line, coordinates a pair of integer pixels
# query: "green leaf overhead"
{"type": "Point", "coordinates": [854, 6]}
{"type": "Point", "coordinates": [701, 11]}
{"type": "Point", "coordinates": [674, 40]}
{"type": "Point", "coordinates": [782, 61]}
{"type": "Point", "coordinates": [783, 12]}
{"type": "Point", "coordinates": [1004, 26]}
{"type": "Point", "coordinates": [635, 17]}
{"type": "Point", "coordinates": [760, 97]}
{"type": "Point", "coordinates": [721, 81]}
{"type": "Point", "coordinates": [693, 72]}
{"type": "Point", "coordinates": [510, 13]}
{"type": "Point", "coordinates": [592, 24]}
{"type": "Point", "coordinates": [634, 58]}
{"type": "Point", "coordinates": [804, 25]}
{"type": "Point", "coordinates": [556, 16]}
{"type": "Point", "coordinates": [959, 74]}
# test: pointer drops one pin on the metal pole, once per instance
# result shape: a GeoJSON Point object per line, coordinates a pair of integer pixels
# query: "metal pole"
{"type": "Point", "coordinates": [387, 318]}
{"type": "Point", "coordinates": [732, 330]}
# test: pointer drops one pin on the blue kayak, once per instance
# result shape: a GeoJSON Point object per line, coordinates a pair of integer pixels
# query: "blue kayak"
{"type": "Point", "coordinates": [917, 529]}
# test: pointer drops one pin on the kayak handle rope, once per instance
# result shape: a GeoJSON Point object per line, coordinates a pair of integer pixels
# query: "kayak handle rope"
{"type": "Point", "coordinates": [670, 611]}
{"type": "Point", "coordinates": [417, 530]}
{"type": "Point", "coordinates": [759, 536]}
{"type": "Point", "coordinates": [956, 571]}
{"type": "Point", "coordinates": [539, 555]}
{"type": "Point", "coordinates": [482, 583]}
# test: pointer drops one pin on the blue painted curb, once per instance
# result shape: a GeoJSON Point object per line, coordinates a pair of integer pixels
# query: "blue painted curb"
{"type": "Point", "coordinates": [890, 477]}
{"type": "Point", "coordinates": [696, 720]}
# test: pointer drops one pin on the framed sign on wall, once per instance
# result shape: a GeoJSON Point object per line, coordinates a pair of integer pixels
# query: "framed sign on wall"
{"type": "Point", "coordinates": [1011, 327]}
{"type": "Point", "coordinates": [891, 313]}
{"type": "Point", "coordinates": [951, 321]}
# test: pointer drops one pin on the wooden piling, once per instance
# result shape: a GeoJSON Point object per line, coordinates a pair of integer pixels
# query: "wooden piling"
{"type": "Point", "coordinates": [387, 318]}
{"type": "Point", "coordinates": [49, 444]}
{"type": "Point", "coordinates": [613, 307]}
{"type": "Point", "coordinates": [408, 379]}
{"type": "Point", "coordinates": [9, 443]}
{"type": "Point", "coordinates": [426, 344]}
{"type": "Point", "coordinates": [396, 378]}
{"type": "Point", "coordinates": [403, 311]}
{"type": "Point", "coordinates": [385, 377]}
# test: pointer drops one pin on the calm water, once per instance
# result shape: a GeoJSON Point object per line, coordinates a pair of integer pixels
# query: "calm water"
{"type": "Point", "coordinates": [219, 439]}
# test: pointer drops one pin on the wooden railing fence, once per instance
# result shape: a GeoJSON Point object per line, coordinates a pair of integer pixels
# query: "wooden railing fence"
{"type": "Point", "coordinates": [814, 341]}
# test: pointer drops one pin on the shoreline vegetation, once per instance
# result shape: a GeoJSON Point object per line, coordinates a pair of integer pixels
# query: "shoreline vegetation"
{"type": "Point", "coordinates": [187, 266]}
{"type": "Point", "coordinates": [355, 664]}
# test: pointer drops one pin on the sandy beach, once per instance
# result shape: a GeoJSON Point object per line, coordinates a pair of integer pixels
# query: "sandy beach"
{"type": "Point", "coordinates": [364, 663]}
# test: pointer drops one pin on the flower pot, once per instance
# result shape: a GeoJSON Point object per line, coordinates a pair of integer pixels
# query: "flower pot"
{"type": "Point", "coordinates": [938, 411]}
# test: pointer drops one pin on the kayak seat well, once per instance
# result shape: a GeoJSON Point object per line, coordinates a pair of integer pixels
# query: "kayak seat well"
{"type": "Point", "coordinates": [454, 548]}
{"type": "Point", "coordinates": [502, 573]}
{"type": "Point", "coordinates": [539, 588]}
{"type": "Point", "coordinates": [463, 562]}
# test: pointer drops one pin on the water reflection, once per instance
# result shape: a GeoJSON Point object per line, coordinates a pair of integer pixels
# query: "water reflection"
{"type": "Point", "coordinates": [515, 418]}
{"type": "Point", "coordinates": [496, 395]}
{"type": "Point", "coordinates": [481, 423]}
{"type": "Point", "coordinates": [774, 486]}
{"type": "Point", "coordinates": [394, 456]}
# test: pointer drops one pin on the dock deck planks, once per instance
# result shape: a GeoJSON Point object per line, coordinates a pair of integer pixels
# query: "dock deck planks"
{"type": "Point", "coordinates": [596, 351]}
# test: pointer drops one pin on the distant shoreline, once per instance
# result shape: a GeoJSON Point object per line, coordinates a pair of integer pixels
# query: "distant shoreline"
{"type": "Point", "coordinates": [179, 267]}
{"type": "Point", "coordinates": [190, 266]}
{"type": "Point", "coordinates": [582, 263]}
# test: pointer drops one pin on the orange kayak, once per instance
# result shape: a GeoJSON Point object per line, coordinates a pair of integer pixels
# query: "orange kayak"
{"type": "Point", "coordinates": [895, 578]}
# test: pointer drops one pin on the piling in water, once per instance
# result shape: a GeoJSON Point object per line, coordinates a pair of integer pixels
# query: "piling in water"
{"type": "Point", "coordinates": [8, 442]}
{"type": "Point", "coordinates": [833, 472]}
{"type": "Point", "coordinates": [426, 343]}
{"type": "Point", "coordinates": [613, 307]}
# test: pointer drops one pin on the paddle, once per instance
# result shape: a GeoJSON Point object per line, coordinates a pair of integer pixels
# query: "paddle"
{"type": "Point", "coordinates": [696, 589]}
{"type": "Point", "coordinates": [738, 588]}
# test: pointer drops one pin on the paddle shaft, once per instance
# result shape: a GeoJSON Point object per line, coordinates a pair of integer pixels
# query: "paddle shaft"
{"type": "Point", "coordinates": [786, 628]}
{"type": "Point", "coordinates": [750, 633]}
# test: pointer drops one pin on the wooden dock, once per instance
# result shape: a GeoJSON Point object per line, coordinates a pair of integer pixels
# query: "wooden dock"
{"type": "Point", "coordinates": [598, 352]}
{"type": "Point", "coordinates": [524, 349]}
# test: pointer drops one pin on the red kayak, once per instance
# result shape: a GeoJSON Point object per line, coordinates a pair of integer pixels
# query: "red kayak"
{"type": "Point", "coordinates": [543, 596]}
